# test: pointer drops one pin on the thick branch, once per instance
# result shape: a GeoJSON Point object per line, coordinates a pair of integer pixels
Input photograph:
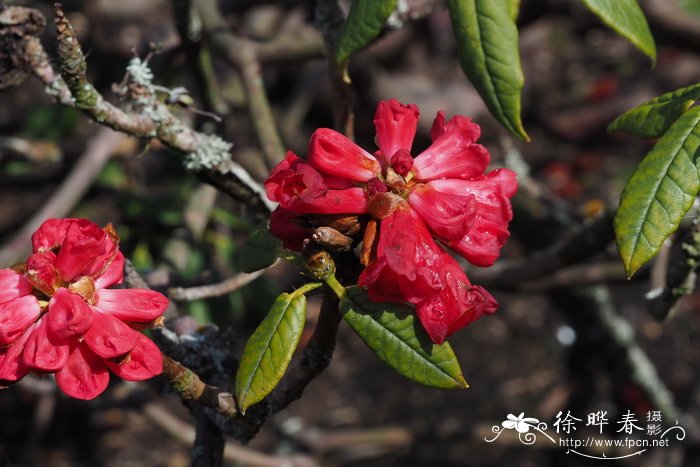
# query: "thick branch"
{"type": "Point", "coordinates": [680, 275]}
{"type": "Point", "coordinates": [208, 155]}
{"type": "Point", "coordinates": [191, 388]}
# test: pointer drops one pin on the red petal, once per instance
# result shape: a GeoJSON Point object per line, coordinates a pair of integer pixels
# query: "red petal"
{"type": "Point", "coordinates": [454, 305]}
{"type": "Point", "coordinates": [16, 316]}
{"type": "Point", "coordinates": [133, 305]}
{"type": "Point", "coordinates": [13, 285]}
{"type": "Point", "coordinates": [283, 225]}
{"type": "Point", "coordinates": [85, 242]}
{"type": "Point", "coordinates": [84, 376]}
{"type": "Point", "coordinates": [450, 216]}
{"type": "Point", "coordinates": [12, 367]}
{"type": "Point", "coordinates": [143, 362]}
{"type": "Point", "coordinates": [301, 189]}
{"type": "Point", "coordinates": [113, 275]}
{"type": "Point", "coordinates": [396, 126]}
{"type": "Point", "coordinates": [482, 243]}
{"type": "Point", "coordinates": [109, 337]}
{"type": "Point", "coordinates": [333, 153]}
{"type": "Point", "coordinates": [382, 284]}
{"type": "Point", "coordinates": [51, 234]}
{"type": "Point", "coordinates": [438, 127]}
{"type": "Point", "coordinates": [42, 273]}
{"type": "Point", "coordinates": [453, 154]}
{"type": "Point", "coordinates": [45, 351]}
{"type": "Point", "coordinates": [68, 314]}
{"type": "Point", "coordinates": [410, 252]}
{"type": "Point", "coordinates": [408, 260]}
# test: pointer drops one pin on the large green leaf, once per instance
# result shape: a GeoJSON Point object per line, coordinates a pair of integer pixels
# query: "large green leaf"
{"type": "Point", "coordinates": [487, 42]}
{"type": "Point", "coordinates": [269, 350]}
{"type": "Point", "coordinates": [514, 8]}
{"type": "Point", "coordinates": [365, 21]}
{"type": "Point", "coordinates": [652, 118]}
{"type": "Point", "coordinates": [659, 193]}
{"type": "Point", "coordinates": [395, 335]}
{"type": "Point", "coordinates": [260, 250]}
{"type": "Point", "coordinates": [627, 19]}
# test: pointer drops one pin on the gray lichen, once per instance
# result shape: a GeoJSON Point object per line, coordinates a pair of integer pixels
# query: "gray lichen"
{"type": "Point", "coordinates": [211, 152]}
{"type": "Point", "coordinates": [140, 73]}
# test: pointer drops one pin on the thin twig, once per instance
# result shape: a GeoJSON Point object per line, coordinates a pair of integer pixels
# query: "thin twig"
{"type": "Point", "coordinates": [643, 371]}
{"type": "Point", "coordinates": [68, 193]}
{"type": "Point", "coordinates": [188, 294]}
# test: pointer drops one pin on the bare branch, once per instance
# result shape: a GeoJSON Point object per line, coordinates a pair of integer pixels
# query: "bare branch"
{"type": "Point", "coordinates": [224, 287]}
{"type": "Point", "coordinates": [191, 388]}
{"type": "Point", "coordinates": [682, 264]}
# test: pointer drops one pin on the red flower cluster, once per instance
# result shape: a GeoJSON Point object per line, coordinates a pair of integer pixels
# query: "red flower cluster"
{"type": "Point", "coordinates": [57, 316]}
{"type": "Point", "coordinates": [440, 194]}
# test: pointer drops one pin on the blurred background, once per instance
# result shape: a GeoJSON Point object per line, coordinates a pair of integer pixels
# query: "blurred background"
{"type": "Point", "coordinates": [561, 339]}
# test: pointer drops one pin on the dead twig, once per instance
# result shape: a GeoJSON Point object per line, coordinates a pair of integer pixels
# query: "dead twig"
{"type": "Point", "coordinates": [187, 294]}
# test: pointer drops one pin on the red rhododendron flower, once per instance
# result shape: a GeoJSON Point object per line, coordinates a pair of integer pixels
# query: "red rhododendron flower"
{"type": "Point", "coordinates": [57, 316]}
{"type": "Point", "coordinates": [442, 194]}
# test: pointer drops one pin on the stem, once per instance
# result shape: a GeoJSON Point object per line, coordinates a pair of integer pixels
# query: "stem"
{"type": "Point", "coordinates": [335, 286]}
{"type": "Point", "coordinates": [304, 289]}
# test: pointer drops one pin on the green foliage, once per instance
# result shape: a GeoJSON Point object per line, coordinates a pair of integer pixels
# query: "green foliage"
{"type": "Point", "coordinates": [627, 19]}
{"type": "Point", "coordinates": [365, 21]}
{"type": "Point", "coordinates": [487, 42]}
{"type": "Point", "coordinates": [690, 6]}
{"type": "Point", "coordinates": [397, 338]}
{"type": "Point", "coordinates": [652, 118]}
{"type": "Point", "coordinates": [260, 250]}
{"type": "Point", "coordinates": [514, 9]}
{"type": "Point", "coordinates": [271, 347]}
{"type": "Point", "coordinates": [659, 193]}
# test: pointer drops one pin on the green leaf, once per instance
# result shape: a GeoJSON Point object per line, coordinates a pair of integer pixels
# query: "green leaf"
{"type": "Point", "coordinates": [659, 193]}
{"type": "Point", "coordinates": [487, 43]}
{"type": "Point", "coordinates": [652, 118]}
{"type": "Point", "coordinates": [627, 19]}
{"type": "Point", "coordinates": [365, 21]}
{"type": "Point", "coordinates": [514, 9]}
{"type": "Point", "coordinates": [395, 335]}
{"type": "Point", "coordinates": [269, 350]}
{"type": "Point", "coordinates": [260, 250]}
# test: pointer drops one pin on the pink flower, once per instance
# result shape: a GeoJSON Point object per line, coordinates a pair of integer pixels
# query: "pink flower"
{"type": "Point", "coordinates": [57, 315]}
{"type": "Point", "coordinates": [443, 193]}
